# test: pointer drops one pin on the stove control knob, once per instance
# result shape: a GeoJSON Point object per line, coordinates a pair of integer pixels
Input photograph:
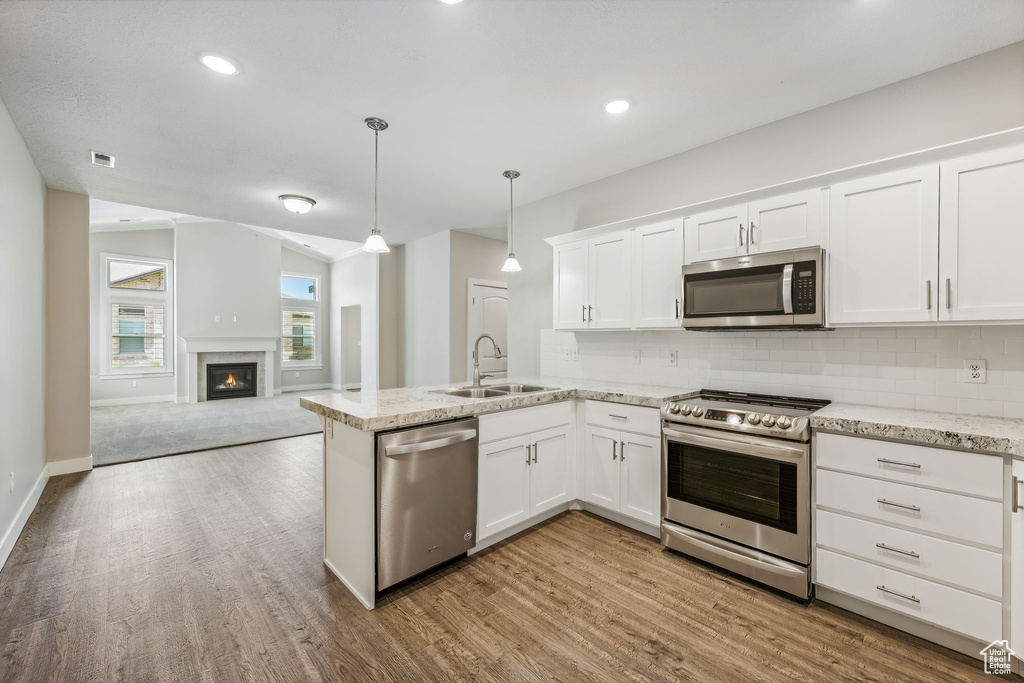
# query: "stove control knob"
{"type": "Point", "coordinates": [768, 420]}
{"type": "Point", "coordinates": [753, 418]}
{"type": "Point", "coordinates": [784, 422]}
{"type": "Point", "coordinates": [685, 409]}
{"type": "Point", "coordinates": [673, 408]}
{"type": "Point", "coordinates": [697, 411]}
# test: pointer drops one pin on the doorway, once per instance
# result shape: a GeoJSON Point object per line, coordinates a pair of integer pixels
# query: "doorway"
{"type": "Point", "coordinates": [351, 347]}
{"type": "Point", "coordinates": [487, 313]}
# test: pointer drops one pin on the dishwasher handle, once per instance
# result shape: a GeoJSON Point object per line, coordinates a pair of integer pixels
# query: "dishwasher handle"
{"type": "Point", "coordinates": [451, 439]}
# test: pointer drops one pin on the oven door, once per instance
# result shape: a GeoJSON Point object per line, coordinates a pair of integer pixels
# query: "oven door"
{"type": "Point", "coordinates": [747, 489]}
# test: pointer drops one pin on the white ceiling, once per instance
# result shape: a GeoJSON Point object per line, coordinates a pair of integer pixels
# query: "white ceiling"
{"type": "Point", "coordinates": [469, 89]}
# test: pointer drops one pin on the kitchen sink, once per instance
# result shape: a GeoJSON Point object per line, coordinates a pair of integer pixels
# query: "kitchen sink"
{"type": "Point", "coordinates": [520, 388]}
{"type": "Point", "coordinates": [473, 392]}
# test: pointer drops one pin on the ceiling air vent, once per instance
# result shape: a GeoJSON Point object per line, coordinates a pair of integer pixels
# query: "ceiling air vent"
{"type": "Point", "coordinates": [101, 159]}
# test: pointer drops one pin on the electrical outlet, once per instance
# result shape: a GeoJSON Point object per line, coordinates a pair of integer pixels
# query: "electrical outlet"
{"type": "Point", "coordinates": [234, 318]}
{"type": "Point", "coordinates": [135, 383]}
{"type": "Point", "coordinates": [575, 354]}
{"type": "Point", "coordinates": [567, 353]}
{"type": "Point", "coordinates": [296, 373]}
{"type": "Point", "coordinates": [12, 482]}
{"type": "Point", "coordinates": [216, 318]}
{"type": "Point", "coordinates": [975, 372]}
{"type": "Point", "coordinates": [673, 358]}
{"type": "Point", "coordinates": [636, 356]}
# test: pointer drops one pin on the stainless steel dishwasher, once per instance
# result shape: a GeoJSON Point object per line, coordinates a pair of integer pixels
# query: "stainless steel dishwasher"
{"type": "Point", "coordinates": [426, 498]}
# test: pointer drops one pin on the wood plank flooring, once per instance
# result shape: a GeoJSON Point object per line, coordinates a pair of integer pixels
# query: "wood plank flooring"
{"type": "Point", "coordinates": [208, 567]}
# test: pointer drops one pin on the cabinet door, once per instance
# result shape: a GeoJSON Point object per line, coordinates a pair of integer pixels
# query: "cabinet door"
{"type": "Point", "coordinates": [640, 496]}
{"type": "Point", "coordinates": [609, 282]}
{"type": "Point", "coordinates": [790, 221]}
{"type": "Point", "coordinates": [1017, 561]}
{"type": "Point", "coordinates": [602, 467]}
{"type": "Point", "coordinates": [982, 237]}
{"type": "Point", "coordinates": [883, 241]}
{"type": "Point", "coordinates": [551, 471]}
{"type": "Point", "coordinates": [657, 274]}
{"type": "Point", "coordinates": [570, 285]}
{"type": "Point", "coordinates": [715, 234]}
{"type": "Point", "coordinates": [504, 492]}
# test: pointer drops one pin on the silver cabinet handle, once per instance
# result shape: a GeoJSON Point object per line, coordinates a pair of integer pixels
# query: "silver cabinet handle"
{"type": "Point", "coordinates": [750, 233]}
{"type": "Point", "coordinates": [1015, 497]}
{"type": "Point", "coordinates": [534, 454]}
{"type": "Point", "coordinates": [618, 417]}
{"type": "Point", "coordinates": [527, 455]}
{"type": "Point", "coordinates": [741, 234]}
{"type": "Point", "coordinates": [890, 591]}
{"type": "Point", "coordinates": [787, 289]}
{"type": "Point", "coordinates": [622, 451]}
{"type": "Point", "coordinates": [914, 508]}
{"type": "Point", "coordinates": [948, 293]}
{"type": "Point", "coordinates": [928, 289]}
{"type": "Point", "coordinates": [886, 461]}
{"type": "Point", "coordinates": [584, 313]}
{"type": "Point", "coordinates": [901, 551]}
{"type": "Point", "coordinates": [677, 309]}
{"type": "Point", "coordinates": [614, 455]}
{"type": "Point", "coordinates": [590, 314]}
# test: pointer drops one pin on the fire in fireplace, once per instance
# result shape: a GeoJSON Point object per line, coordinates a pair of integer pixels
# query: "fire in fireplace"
{"type": "Point", "coordinates": [230, 380]}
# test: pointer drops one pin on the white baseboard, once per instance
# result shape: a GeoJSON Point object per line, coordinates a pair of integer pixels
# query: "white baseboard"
{"type": "Point", "coordinates": [642, 527]}
{"type": "Point", "coordinates": [99, 403]}
{"type": "Point", "coordinates": [20, 519]}
{"type": "Point", "coordinates": [306, 387]}
{"type": "Point", "coordinates": [522, 526]}
{"type": "Point", "coordinates": [59, 467]}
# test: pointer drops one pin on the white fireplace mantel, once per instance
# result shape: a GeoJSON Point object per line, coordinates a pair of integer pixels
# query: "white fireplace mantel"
{"type": "Point", "coordinates": [193, 346]}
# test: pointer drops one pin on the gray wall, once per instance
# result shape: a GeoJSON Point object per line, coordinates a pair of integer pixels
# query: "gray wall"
{"type": "Point", "coordinates": [355, 281]}
{"type": "Point", "coordinates": [426, 310]}
{"type": "Point", "coordinates": [981, 95]}
{"type": "Point", "coordinates": [145, 243]}
{"type": "Point", "coordinates": [22, 299]}
{"type": "Point", "coordinates": [294, 262]}
{"type": "Point", "coordinates": [477, 257]}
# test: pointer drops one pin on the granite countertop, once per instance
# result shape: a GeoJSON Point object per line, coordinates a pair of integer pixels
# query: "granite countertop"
{"type": "Point", "coordinates": [390, 408]}
{"type": "Point", "coordinates": [974, 432]}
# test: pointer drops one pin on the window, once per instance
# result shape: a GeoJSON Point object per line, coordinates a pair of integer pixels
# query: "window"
{"type": "Point", "coordinates": [136, 304]}
{"type": "Point", "coordinates": [300, 310]}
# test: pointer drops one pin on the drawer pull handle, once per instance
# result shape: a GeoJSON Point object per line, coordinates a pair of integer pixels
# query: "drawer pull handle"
{"type": "Point", "coordinates": [886, 461]}
{"type": "Point", "coordinates": [883, 501]}
{"type": "Point", "coordinates": [890, 591]}
{"type": "Point", "coordinates": [618, 417]}
{"type": "Point", "coordinates": [901, 551]}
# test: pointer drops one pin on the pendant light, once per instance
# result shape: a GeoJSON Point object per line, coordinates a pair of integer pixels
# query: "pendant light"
{"type": "Point", "coordinates": [511, 263]}
{"type": "Point", "coordinates": [375, 244]}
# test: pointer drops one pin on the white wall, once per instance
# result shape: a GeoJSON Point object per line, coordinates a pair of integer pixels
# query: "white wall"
{"type": "Point", "coordinates": [22, 299]}
{"type": "Point", "coordinates": [145, 243]}
{"type": "Point", "coordinates": [967, 99]}
{"type": "Point", "coordinates": [473, 256]}
{"type": "Point", "coordinates": [427, 310]}
{"type": "Point", "coordinates": [294, 262]}
{"type": "Point", "coordinates": [354, 281]}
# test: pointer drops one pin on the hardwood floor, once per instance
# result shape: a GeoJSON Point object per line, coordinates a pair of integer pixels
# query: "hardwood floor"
{"type": "Point", "coordinates": [208, 567]}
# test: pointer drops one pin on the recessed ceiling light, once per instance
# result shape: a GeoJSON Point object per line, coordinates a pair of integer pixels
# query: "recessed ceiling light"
{"type": "Point", "coordinates": [220, 65]}
{"type": "Point", "coordinates": [616, 106]}
{"type": "Point", "coordinates": [297, 203]}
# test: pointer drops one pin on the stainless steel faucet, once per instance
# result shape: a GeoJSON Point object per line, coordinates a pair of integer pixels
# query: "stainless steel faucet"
{"type": "Point", "coordinates": [476, 357]}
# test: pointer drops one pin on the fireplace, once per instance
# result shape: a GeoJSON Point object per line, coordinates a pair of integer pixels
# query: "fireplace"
{"type": "Point", "coordinates": [230, 380]}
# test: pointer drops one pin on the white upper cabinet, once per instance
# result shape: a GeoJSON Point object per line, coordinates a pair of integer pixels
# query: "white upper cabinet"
{"type": "Point", "coordinates": [982, 237]}
{"type": "Point", "coordinates": [711, 235]}
{"type": "Point", "coordinates": [571, 265]}
{"type": "Point", "coordinates": [608, 307]}
{"type": "Point", "coordinates": [657, 274]}
{"type": "Point", "coordinates": [883, 241]}
{"type": "Point", "coordinates": [789, 221]}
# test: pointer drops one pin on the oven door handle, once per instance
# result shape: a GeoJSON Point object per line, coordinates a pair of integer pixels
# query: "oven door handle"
{"type": "Point", "coordinates": [745, 447]}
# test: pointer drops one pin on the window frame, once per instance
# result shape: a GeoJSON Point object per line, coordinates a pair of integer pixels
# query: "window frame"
{"type": "Point", "coordinates": [312, 305]}
{"type": "Point", "coordinates": [111, 296]}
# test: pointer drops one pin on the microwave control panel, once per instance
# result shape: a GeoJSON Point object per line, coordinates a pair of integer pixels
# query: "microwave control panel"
{"type": "Point", "coordinates": [804, 287]}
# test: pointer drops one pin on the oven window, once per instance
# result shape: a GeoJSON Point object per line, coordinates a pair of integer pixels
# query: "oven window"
{"type": "Point", "coordinates": [755, 291]}
{"type": "Point", "coordinates": [744, 486]}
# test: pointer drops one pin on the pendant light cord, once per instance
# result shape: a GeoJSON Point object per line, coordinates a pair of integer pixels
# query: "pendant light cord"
{"type": "Point", "coordinates": [376, 163]}
{"type": "Point", "coordinates": [511, 219]}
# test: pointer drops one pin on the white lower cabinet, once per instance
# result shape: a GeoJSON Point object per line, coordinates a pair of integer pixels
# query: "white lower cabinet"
{"type": "Point", "coordinates": [1016, 507]}
{"type": "Point", "coordinates": [602, 465]}
{"type": "Point", "coordinates": [640, 471]}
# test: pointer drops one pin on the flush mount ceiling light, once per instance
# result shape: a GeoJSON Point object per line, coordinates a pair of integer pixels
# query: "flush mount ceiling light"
{"type": "Point", "coordinates": [375, 244]}
{"type": "Point", "coordinates": [296, 203]}
{"type": "Point", "coordinates": [451, 2]}
{"type": "Point", "coordinates": [220, 65]}
{"type": "Point", "coordinates": [511, 263]}
{"type": "Point", "coordinates": [616, 106]}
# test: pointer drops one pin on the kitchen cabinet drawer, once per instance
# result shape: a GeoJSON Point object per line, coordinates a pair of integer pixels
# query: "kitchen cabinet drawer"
{"type": "Point", "coordinates": [971, 568]}
{"type": "Point", "coordinates": [636, 419]}
{"type": "Point", "coordinates": [973, 473]}
{"type": "Point", "coordinates": [948, 514]}
{"type": "Point", "coordinates": [949, 608]}
{"type": "Point", "coordinates": [509, 423]}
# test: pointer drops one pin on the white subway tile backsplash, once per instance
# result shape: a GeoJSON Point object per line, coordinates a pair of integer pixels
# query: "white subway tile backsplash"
{"type": "Point", "coordinates": [905, 367]}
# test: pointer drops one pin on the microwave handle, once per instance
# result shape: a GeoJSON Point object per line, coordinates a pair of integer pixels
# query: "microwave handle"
{"type": "Point", "coordinates": [787, 289]}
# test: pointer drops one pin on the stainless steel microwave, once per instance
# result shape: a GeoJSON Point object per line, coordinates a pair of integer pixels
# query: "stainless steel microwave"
{"type": "Point", "coordinates": [779, 289]}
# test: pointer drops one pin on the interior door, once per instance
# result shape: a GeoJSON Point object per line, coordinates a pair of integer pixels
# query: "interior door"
{"type": "Point", "coordinates": [715, 234]}
{"type": "Point", "coordinates": [640, 461]}
{"type": "Point", "coordinates": [982, 237]}
{"type": "Point", "coordinates": [488, 313]}
{"type": "Point", "coordinates": [504, 489]}
{"type": "Point", "coordinates": [551, 473]}
{"type": "Point", "coordinates": [883, 247]}
{"type": "Point", "coordinates": [571, 262]}
{"type": "Point", "coordinates": [602, 464]}
{"type": "Point", "coordinates": [790, 221]}
{"type": "Point", "coordinates": [657, 274]}
{"type": "Point", "coordinates": [609, 282]}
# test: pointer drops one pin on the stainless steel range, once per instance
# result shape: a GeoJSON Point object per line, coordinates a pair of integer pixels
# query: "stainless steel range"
{"type": "Point", "coordinates": [736, 473]}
